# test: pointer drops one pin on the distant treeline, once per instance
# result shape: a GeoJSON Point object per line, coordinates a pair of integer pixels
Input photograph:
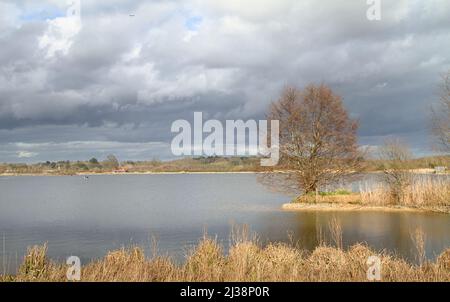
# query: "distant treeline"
{"type": "Point", "coordinates": [429, 162]}
{"type": "Point", "coordinates": [111, 164]}
{"type": "Point", "coordinates": [199, 164]}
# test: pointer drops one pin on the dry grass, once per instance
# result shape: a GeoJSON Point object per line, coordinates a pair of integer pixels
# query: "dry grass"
{"type": "Point", "coordinates": [246, 261]}
{"type": "Point", "coordinates": [424, 194]}
{"type": "Point", "coordinates": [353, 198]}
{"type": "Point", "coordinates": [418, 237]}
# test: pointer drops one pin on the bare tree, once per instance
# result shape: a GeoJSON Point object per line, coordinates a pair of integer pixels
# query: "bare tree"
{"type": "Point", "coordinates": [396, 174]}
{"type": "Point", "coordinates": [318, 141]}
{"type": "Point", "coordinates": [441, 116]}
{"type": "Point", "coordinates": [111, 162]}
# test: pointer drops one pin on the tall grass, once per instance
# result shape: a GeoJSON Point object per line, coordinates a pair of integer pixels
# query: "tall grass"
{"type": "Point", "coordinates": [423, 193]}
{"type": "Point", "coordinates": [246, 261]}
{"type": "Point", "coordinates": [418, 237]}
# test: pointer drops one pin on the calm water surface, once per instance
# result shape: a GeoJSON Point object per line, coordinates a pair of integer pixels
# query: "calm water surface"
{"type": "Point", "coordinates": [87, 218]}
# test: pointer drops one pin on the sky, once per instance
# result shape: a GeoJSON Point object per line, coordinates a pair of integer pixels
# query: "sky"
{"type": "Point", "coordinates": [112, 76]}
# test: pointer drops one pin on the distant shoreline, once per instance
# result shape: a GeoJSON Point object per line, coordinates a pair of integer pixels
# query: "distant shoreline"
{"type": "Point", "coordinates": [415, 171]}
{"type": "Point", "coordinates": [129, 173]}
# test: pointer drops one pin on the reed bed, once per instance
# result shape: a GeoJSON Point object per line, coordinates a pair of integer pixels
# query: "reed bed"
{"type": "Point", "coordinates": [432, 194]}
{"type": "Point", "coordinates": [246, 261]}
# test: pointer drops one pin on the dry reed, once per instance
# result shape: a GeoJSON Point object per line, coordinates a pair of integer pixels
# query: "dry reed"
{"type": "Point", "coordinates": [246, 261]}
{"type": "Point", "coordinates": [422, 194]}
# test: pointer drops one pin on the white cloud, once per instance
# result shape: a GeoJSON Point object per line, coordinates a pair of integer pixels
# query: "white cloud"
{"type": "Point", "coordinates": [226, 57]}
{"type": "Point", "coordinates": [60, 34]}
{"type": "Point", "coordinates": [26, 154]}
{"type": "Point", "coordinates": [83, 150]}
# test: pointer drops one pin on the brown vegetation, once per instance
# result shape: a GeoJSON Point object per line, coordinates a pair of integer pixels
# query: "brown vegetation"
{"type": "Point", "coordinates": [425, 194]}
{"type": "Point", "coordinates": [246, 261]}
{"type": "Point", "coordinates": [422, 194]}
{"type": "Point", "coordinates": [396, 175]}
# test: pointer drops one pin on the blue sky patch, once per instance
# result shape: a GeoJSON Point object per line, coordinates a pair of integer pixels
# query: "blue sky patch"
{"type": "Point", "coordinates": [193, 23]}
{"type": "Point", "coordinates": [42, 14]}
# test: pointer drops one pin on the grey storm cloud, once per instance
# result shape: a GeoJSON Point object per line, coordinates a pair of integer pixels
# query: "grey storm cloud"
{"type": "Point", "coordinates": [115, 80]}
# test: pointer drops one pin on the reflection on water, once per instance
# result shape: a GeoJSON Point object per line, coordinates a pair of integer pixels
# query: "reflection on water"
{"type": "Point", "coordinates": [380, 230]}
{"type": "Point", "coordinates": [89, 217]}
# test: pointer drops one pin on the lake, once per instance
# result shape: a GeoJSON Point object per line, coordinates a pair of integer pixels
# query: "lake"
{"type": "Point", "coordinates": [88, 217]}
